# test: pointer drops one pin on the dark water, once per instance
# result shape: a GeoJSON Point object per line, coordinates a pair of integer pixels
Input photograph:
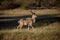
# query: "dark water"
{"type": "Point", "coordinates": [12, 21]}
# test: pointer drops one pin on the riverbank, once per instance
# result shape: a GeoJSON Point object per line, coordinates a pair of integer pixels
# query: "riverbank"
{"type": "Point", "coordinates": [20, 12]}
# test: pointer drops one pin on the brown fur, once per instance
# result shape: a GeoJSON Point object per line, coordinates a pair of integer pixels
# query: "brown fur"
{"type": "Point", "coordinates": [27, 21]}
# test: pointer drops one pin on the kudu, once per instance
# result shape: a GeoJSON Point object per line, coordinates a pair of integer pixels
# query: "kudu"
{"type": "Point", "coordinates": [28, 21]}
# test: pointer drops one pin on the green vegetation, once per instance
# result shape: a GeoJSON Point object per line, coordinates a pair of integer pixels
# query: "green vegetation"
{"type": "Point", "coordinates": [11, 4]}
{"type": "Point", "coordinates": [47, 32]}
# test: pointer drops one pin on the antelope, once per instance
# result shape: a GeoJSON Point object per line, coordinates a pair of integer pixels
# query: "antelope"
{"type": "Point", "coordinates": [28, 21]}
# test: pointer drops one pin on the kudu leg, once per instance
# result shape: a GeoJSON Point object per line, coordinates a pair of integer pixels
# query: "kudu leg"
{"type": "Point", "coordinates": [30, 26]}
{"type": "Point", "coordinates": [20, 27]}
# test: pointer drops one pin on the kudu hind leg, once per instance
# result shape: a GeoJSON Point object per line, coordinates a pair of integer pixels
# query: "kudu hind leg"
{"type": "Point", "coordinates": [19, 26]}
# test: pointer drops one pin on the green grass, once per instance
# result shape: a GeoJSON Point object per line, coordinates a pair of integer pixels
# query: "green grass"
{"type": "Point", "coordinates": [47, 32]}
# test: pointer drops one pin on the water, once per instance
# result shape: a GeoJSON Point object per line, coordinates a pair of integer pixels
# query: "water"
{"type": "Point", "coordinates": [9, 22]}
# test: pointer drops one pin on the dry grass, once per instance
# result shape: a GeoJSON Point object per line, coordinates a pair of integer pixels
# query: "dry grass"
{"type": "Point", "coordinates": [47, 32]}
{"type": "Point", "coordinates": [20, 12]}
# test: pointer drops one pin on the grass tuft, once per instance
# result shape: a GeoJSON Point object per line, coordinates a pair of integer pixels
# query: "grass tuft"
{"type": "Point", "coordinates": [48, 32]}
